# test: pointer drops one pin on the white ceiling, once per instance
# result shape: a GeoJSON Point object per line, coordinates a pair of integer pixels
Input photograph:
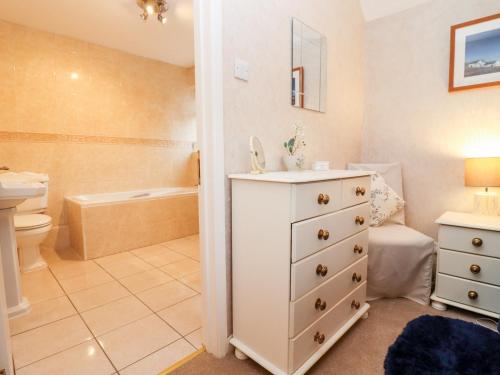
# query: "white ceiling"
{"type": "Point", "coordinates": [112, 23]}
{"type": "Point", "coordinates": [373, 9]}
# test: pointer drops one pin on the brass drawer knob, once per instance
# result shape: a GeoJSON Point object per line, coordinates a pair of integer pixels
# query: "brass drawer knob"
{"type": "Point", "coordinates": [472, 294]}
{"type": "Point", "coordinates": [320, 305]}
{"type": "Point", "coordinates": [321, 270]}
{"type": "Point", "coordinates": [319, 338]}
{"type": "Point", "coordinates": [359, 220]}
{"type": "Point", "coordinates": [323, 234]}
{"type": "Point", "coordinates": [358, 249]}
{"type": "Point", "coordinates": [475, 269]}
{"type": "Point", "coordinates": [355, 304]}
{"type": "Point", "coordinates": [477, 242]}
{"type": "Point", "coordinates": [323, 199]}
{"type": "Point", "coordinates": [356, 278]}
{"type": "Point", "coordinates": [360, 191]}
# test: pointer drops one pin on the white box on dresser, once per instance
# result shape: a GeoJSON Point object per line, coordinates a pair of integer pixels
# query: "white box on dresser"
{"type": "Point", "coordinates": [468, 268]}
{"type": "Point", "coordinates": [299, 263]}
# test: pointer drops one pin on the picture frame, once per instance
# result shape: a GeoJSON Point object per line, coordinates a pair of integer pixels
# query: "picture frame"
{"type": "Point", "coordinates": [298, 87]}
{"type": "Point", "coordinates": [475, 54]}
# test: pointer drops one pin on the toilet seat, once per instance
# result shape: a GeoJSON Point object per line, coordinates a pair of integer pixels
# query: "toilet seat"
{"type": "Point", "coordinates": [31, 221]}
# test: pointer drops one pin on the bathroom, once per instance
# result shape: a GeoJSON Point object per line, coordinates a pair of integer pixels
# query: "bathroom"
{"type": "Point", "coordinates": [103, 115]}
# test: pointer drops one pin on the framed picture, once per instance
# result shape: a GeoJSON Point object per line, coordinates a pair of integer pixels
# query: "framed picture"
{"type": "Point", "coordinates": [475, 54]}
{"type": "Point", "coordinates": [298, 87]}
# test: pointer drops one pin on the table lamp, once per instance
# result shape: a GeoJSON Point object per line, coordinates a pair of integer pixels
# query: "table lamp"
{"type": "Point", "coordinates": [483, 172]}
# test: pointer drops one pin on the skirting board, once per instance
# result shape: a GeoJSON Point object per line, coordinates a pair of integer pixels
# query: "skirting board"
{"type": "Point", "coordinates": [465, 307]}
{"type": "Point", "coordinates": [313, 359]}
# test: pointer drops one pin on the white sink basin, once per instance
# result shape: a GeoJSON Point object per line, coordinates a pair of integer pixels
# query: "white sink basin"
{"type": "Point", "coordinates": [14, 190]}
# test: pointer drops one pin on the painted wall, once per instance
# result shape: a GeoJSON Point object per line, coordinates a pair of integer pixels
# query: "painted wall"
{"type": "Point", "coordinates": [93, 118]}
{"type": "Point", "coordinates": [259, 32]}
{"type": "Point", "coordinates": [410, 116]}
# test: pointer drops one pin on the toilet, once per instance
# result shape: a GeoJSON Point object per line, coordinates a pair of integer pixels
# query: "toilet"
{"type": "Point", "coordinates": [32, 226]}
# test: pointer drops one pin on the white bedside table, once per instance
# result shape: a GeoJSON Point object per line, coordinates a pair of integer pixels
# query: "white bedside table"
{"type": "Point", "coordinates": [468, 268]}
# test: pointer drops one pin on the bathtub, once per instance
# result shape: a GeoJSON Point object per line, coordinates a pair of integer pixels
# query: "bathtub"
{"type": "Point", "coordinates": [109, 223]}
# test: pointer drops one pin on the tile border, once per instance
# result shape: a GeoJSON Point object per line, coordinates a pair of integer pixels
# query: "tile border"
{"type": "Point", "coordinates": [6, 136]}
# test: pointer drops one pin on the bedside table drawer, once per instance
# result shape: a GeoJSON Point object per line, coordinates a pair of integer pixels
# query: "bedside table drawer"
{"type": "Point", "coordinates": [475, 241]}
{"type": "Point", "coordinates": [473, 267]}
{"type": "Point", "coordinates": [472, 293]}
{"type": "Point", "coordinates": [355, 191]}
{"type": "Point", "coordinates": [315, 198]}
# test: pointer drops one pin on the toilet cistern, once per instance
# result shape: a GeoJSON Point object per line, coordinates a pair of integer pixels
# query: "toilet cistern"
{"type": "Point", "coordinates": [12, 193]}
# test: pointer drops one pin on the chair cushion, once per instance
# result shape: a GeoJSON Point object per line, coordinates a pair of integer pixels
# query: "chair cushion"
{"type": "Point", "coordinates": [400, 263]}
{"type": "Point", "coordinates": [391, 172]}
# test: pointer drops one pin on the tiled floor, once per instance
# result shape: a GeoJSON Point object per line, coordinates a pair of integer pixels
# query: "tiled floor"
{"type": "Point", "coordinates": [136, 312]}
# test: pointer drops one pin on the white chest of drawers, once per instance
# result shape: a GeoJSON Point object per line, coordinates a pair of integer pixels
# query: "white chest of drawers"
{"type": "Point", "coordinates": [299, 264]}
{"type": "Point", "coordinates": [468, 263]}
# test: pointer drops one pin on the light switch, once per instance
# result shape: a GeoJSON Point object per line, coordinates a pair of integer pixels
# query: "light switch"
{"type": "Point", "coordinates": [241, 69]}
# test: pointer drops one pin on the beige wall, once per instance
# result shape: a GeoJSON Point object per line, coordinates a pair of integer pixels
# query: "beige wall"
{"type": "Point", "coordinates": [259, 32]}
{"type": "Point", "coordinates": [126, 123]}
{"type": "Point", "coordinates": [410, 116]}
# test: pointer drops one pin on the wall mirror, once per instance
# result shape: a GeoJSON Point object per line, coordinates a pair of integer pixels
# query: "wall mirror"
{"type": "Point", "coordinates": [308, 67]}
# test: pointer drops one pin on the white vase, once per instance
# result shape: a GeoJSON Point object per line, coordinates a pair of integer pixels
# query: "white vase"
{"type": "Point", "coordinates": [293, 162]}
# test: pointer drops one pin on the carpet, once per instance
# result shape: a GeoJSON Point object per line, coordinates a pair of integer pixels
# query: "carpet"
{"type": "Point", "coordinates": [439, 345]}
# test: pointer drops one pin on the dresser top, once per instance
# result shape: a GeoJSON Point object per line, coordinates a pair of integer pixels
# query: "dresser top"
{"type": "Point", "coordinates": [294, 177]}
{"type": "Point", "coordinates": [468, 220]}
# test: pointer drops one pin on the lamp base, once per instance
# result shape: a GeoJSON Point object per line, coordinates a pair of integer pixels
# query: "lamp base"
{"type": "Point", "coordinates": [486, 203]}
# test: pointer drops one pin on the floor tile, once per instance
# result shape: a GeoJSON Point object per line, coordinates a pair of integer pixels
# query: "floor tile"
{"type": "Point", "coordinates": [135, 341]}
{"type": "Point", "coordinates": [52, 256]}
{"type": "Point", "coordinates": [145, 280]}
{"type": "Point", "coordinates": [183, 244]}
{"type": "Point", "coordinates": [97, 296]}
{"type": "Point", "coordinates": [52, 338]}
{"type": "Point", "coordinates": [144, 252]}
{"type": "Point", "coordinates": [193, 281]}
{"type": "Point", "coordinates": [85, 281]}
{"type": "Point", "coordinates": [84, 359]}
{"type": "Point", "coordinates": [40, 286]}
{"type": "Point", "coordinates": [164, 257]}
{"type": "Point", "coordinates": [42, 313]}
{"type": "Point", "coordinates": [70, 269]}
{"type": "Point", "coordinates": [165, 295]}
{"type": "Point", "coordinates": [114, 258]}
{"type": "Point", "coordinates": [160, 360]}
{"type": "Point", "coordinates": [185, 316]}
{"type": "Point", "coordinates": [115, 314]}
{"type": "Point", "coordinates": [182, 268]}
{"type": "Point", "coordinates": [126, 266]}
{"type": "Point", "coordinates": [195, 338]}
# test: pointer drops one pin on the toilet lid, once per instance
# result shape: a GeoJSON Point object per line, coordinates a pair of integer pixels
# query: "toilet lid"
{"type": "Point", "coordinates": [24, 222]}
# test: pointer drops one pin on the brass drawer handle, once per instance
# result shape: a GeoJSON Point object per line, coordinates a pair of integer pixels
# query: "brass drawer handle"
{"type": "Point", "coordinates": [360, 191]}
{"type": "Point", "coordinates": [321, 270]}
{"type": "Point", "coordinates": [319, 338]}
{"type": "Point", "coordinates": [356, 278]}
{"type": "Point", "coordinates": [477, 242]}
{"type": "Point", "coordinates": [320, 305]}
{"type": "Point", "coordinates": [323, 234]}
{"type": "Point", "coordinates": [355, 304]}
{"type": "Point", "coordinates": [323, 199]}
{"type": "Point", "coordinates": [359, 220]}
{"type": "Point", "coordinates": [358, 249]}
{"type": "Point", "coordinates": [472, 294]}
{"type": "Point", "coordinates": [475, 269]}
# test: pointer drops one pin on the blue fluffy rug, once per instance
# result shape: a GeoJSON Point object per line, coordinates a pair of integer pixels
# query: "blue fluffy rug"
{"type": "Point", "coordinates": [438, 345]}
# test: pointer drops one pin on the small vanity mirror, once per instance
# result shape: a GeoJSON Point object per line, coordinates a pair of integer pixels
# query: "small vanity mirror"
{"type": "Point", "coordinates": [257, 158]}
{"type": "Point", "coordinates": [308, 67]}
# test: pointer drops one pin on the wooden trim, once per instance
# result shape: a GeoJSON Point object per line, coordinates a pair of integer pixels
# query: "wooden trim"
{"type": "Point", "coordinates": [453, 29]}
{"type": "Point", "coordinates": [182, 362]}
{"type": "Point", "coordinates": [301, 76]}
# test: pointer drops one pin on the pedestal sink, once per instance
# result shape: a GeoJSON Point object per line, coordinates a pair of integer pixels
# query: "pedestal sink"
{"type": "Point", "coordinates": [12, 193]}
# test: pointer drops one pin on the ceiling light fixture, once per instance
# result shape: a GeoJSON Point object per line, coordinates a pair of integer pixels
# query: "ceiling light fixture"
{"type": "Point", "coordinates": [151, 7]}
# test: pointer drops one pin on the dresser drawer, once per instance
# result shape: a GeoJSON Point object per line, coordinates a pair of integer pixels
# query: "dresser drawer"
{"type": "Point", "coordinates": [316, 303]}
{"type": "Point", "coordinates": [304, 276]}
{"type": "Point", "coordinates": [473, 267]}
{"type": "Point", "coordinates": [305, 344]}
{"type": "Point", "coordinates": [355, 191]}
{"type": "Point", "coordinates": [312, 235]}
{"type": "Point", "coordinates": [476, 241]}
{"type": "Point", "coordinates": [315, 198]}
{"type": "Point", "coordinates": [458, 290]}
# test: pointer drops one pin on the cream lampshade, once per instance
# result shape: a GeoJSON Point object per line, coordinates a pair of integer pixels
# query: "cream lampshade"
{"type": "Point", "coordinates": [483, 172]}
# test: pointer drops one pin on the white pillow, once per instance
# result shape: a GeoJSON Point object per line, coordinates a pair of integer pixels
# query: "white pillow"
{"type": "Point", "coordinates": [384, 201]}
